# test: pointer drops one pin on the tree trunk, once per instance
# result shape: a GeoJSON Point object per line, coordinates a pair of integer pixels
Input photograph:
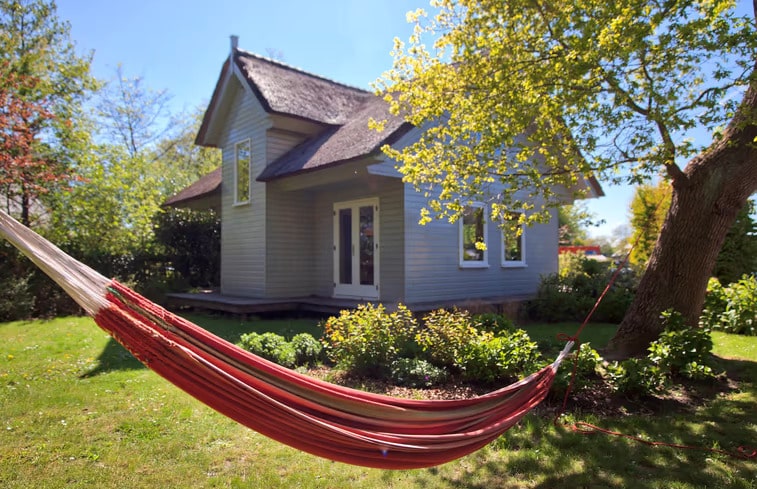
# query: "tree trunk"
{"type": "Point", "coordinates": [714, 186]}
{"type": "Point", "coordinates": [26, 203]}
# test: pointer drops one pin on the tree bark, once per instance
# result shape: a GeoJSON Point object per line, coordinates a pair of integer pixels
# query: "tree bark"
{"type": "Point", "coordinates": [714, 186]}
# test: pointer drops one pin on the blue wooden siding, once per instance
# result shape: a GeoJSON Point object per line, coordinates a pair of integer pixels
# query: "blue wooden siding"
{"type": "Point", "coordinates": [243, 231]}
{"type": "Point", "coordinates": [432, 266]}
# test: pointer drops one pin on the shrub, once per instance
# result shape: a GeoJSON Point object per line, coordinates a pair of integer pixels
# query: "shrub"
{"type": "Point", "coordinates": [270, 346]}
{"type": "Point", "coordinates": [416, 372]}
{"type": "Point", "coordinates": [680, 351]}
{"type": "Point", "coordinates": [446, 337]}
{"type": "Point", "coordinates": [369, 339]}
{"type": "Point", "coordinates": [16, 299]}
{"type": "Point", "coordinates": [732, 309]}
{"type": "Point", "coordinates": [570, 294]}
{"type": "Point", "coordinates": [492, 359]}
{"type": "Point", "coordinates": [307, 349]}
{"type": "Point", "coordinates": [494, 323]}
{"type": "Point", "coordinates": [587, 359]}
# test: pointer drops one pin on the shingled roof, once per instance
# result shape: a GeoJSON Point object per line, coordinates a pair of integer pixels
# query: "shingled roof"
{"type": "Point", "coordinates": [206, 186]}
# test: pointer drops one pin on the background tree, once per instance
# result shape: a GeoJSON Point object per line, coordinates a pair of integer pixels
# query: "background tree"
{"type": "Point", "coordinates": [144, 155]}
{"type": "Point", "coordinates": [45, 83]}
{"type": "Point", "coordinates": [648, 208]}
{"type": "Point", "coordinates": [739, 253]}
{"type": "Point", "coordinates": [573, 223]}
{"type": "Point", "coordinates": [131, 114]}
{"type": "Point", "coordinates": [24, 175]}
{"type": "Point", "coordinates": [535, 95]}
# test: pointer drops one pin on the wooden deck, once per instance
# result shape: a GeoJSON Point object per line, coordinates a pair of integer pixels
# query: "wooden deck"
{"type": "Point", "coordinates": [215, 301]}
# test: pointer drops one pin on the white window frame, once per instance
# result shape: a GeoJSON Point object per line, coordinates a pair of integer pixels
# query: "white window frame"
{"type": "Point", "coordinates": [237, 146]}
{"type": "Point", "coordinates": [514, 263]}
{"type": "Point", "coordinates": [484, 262]}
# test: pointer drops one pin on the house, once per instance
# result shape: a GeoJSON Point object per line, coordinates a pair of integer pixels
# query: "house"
{"type": "Point", "coordinates": [313, 211]}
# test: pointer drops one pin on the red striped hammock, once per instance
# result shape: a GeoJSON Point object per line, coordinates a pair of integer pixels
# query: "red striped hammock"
{"type": "Point", "coordinates": [324, 419]}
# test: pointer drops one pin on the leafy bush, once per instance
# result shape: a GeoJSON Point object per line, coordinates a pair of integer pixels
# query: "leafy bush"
{"type": "Point", "coordinates": [192, 242]}
{"type": "Point", "coordinates": [636, 377]}
{"type": "Point", "coordinates": [732, 309]}
{"type": "Point", "coordinates": [587, 360]}
{"type": "Point", "coordinates": [369, 339]}
{"type": "Point", "coordinates": [494, 323]}
{"type": "Point", "coordinates": [16, 295]}
{"type": "Point", "coordinates": [307, 349]}
{"type": "Point", "coordinates": [270, 346]}
{"type": "Point", "coordinates": [449, 339]}
{"type": "Point", "coordinates": [492, 359]}
{"type": "Point", "coordinates": [680, 351]}
{"type": "Point", "coordinates": [416, 372]}
{"type": "Point", "coordinates": [570, 294]}
{"type": "Point", "coordinates": [447, 336]}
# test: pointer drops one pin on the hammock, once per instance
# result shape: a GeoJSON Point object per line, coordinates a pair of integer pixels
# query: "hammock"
{"type": "Point", "coordinates": [320, 418]}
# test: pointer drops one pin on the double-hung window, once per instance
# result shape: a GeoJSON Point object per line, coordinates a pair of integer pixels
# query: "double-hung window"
{"type": "Point", "coordinates": [473, 235]}
{"type": "Point", "coordinates": [242, 160]}
{"type": "Point", "coordinates": [513, 243]}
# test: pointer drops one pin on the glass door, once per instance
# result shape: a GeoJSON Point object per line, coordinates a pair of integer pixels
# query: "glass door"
{"type": "Point", "coordinates": [356, 249]}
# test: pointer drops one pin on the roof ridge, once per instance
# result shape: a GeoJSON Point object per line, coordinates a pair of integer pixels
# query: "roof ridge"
{"type": "Point", "coordinates": [300, 70]}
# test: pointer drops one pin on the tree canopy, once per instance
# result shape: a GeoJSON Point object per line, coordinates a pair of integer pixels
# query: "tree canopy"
{"type": "Point", "coordinates": [535, 94]}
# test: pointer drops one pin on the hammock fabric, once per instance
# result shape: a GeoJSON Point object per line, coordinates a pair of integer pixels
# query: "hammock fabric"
{"type": "Point", "coordinates": [320, 418]}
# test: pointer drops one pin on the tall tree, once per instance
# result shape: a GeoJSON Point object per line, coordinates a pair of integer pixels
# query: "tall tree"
{"type": "Point", "coordinates": [534, 95]}
{"type": "Point", "coordinates": [45, 76]}
{"type": "Point", "coordinates": [132, 115]}
{"type": "Point", "coordinates": [648, 208]}
{"type": "Point", "coordinates": [23, 173]}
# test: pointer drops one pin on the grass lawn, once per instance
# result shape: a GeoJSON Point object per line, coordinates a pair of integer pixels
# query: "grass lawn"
{"type": "Point", "coordinates": [78, 411]}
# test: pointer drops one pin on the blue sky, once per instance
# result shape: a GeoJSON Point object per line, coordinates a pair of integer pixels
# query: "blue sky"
{"type": "Point", "coordinates": [181, 45]}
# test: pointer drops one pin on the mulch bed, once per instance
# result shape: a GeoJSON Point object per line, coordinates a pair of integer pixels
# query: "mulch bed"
{"type": "Point", "coordinates": [597, 398]}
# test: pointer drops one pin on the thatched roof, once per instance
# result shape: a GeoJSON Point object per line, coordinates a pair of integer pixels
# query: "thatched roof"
{"type": "Point", "coordinates": [341, 144]}
{"type": "Point", "coordinates": [283, 89]}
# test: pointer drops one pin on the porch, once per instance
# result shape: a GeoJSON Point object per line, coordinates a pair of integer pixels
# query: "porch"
{"type": "Point", "coordinates": [215, 301]}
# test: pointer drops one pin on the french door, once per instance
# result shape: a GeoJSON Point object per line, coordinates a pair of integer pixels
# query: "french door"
{"type": "Point", "coordinates": [356, 246]}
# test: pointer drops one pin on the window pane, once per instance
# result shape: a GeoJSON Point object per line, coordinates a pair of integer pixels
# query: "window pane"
{"type": "Point", "coordinates": [366, 245]}
{"type": "Point", "coordinates": [473, 232]}
{"type": "Point", "coordinates": [513, 244]}
{"type": "Point", "coordinates": [345, 246]}
{"type": "Point", "coordinates": [243, 172]}
{"type": "Point", "coordinates": [513, 248]}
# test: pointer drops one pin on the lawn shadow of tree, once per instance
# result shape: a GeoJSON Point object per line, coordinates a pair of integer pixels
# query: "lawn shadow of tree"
{"type": "Point", "coordinates": [114, 357]}
{"type": "Point", "coordinates": [536, 454]}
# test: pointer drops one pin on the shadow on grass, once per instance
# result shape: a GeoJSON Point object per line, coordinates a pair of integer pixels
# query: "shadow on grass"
{"type": "Point", "coordinates": [537, 454]}
{"type": "Point", "coordinates": [115, 357]}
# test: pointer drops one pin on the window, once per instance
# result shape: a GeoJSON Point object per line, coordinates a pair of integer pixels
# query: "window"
{"type": "Point", "coordinates": [513, 243]}
{"type": "Point", "coordinates": [473, 251]}
{"type": "Point", "coordinates": [242, 158]}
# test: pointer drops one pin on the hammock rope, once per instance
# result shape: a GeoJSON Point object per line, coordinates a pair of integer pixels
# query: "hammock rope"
{"type": "Point", "coordinates": [327, 420]}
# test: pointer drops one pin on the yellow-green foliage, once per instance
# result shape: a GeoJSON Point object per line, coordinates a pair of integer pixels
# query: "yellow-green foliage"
{"type": "Point", "coordinates": [649, 207]}
{"type": "Point", "coordinates": [536, 95]}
